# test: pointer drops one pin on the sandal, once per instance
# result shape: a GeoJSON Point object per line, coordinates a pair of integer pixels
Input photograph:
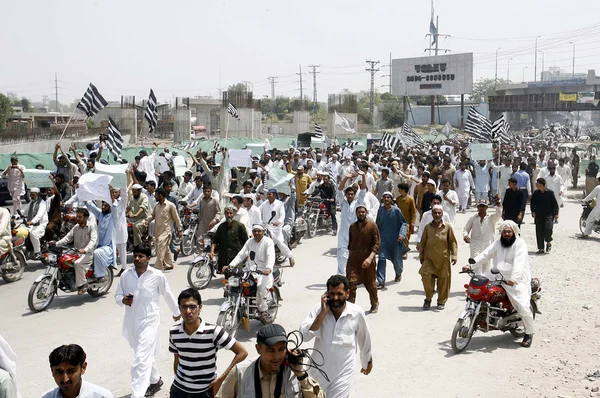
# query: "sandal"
{"type": "Point", "coordinates": [168, 267]}
{"type": "Point", "coordinates": [527, 340]}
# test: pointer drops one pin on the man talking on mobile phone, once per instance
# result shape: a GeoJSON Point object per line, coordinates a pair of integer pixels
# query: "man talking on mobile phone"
{"type": "Point", "coordinates": [338, 326]}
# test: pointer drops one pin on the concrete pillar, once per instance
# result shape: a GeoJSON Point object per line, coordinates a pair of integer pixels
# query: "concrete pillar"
{"type": "Point", "coordinates": [128, 124]}
{"type": "Point", "coordinates": [182, 125]}
{"type": "Point", "coordinates": [302, 122]}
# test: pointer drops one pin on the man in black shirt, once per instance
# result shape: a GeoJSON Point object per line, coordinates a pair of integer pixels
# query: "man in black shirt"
{"type": "Point", "coordinates": [590, 175]}
{"type": "Point", "coordinates": [575, 167]}
{"type": "Point", "coordinates": [513, 205]}
{"type": "Point", "coordinates": [544, 209]}
{"type": "Point", "coordinates": [328, 193]}
{"type": "Point", "coordinates": [229, 239]}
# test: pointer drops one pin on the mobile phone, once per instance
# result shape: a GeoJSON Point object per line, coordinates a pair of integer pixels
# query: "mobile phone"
{"type": "Point", "coordinates": [328, 300]}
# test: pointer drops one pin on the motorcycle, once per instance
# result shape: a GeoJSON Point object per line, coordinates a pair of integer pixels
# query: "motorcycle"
{"type": "Point", "coordinates": [190, 224]}
{"type": "Point", "coordinates": [145, 239]}
{"type": "Point", "coordinates": [240, 292]}
{"type": "Point", "coordinates": [13, 262]}
{"type": "Point", "coordinates": [318, 216]}
{"type": "Point", "coordinates": [68, 222]}
{"type": "Point", "coordinates": [587, 209]}
{"type": "Point", "coordinates": [19, 229]}
{"type": "Point", "coordinates": [60, 274]}
{"type": "Point", "coordinates": [489, 308]}
{"type": "Point", "coordinates": [202, 269]}
{"type": "Point", "coordinates": [300, 226]}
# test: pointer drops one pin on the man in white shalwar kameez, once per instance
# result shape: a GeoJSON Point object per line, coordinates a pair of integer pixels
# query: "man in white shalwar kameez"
{"type": "Point", "coordinates": [273, 216]}
{"type": "Point", "coordinates": [505, 172]}
{"type": "Point", "coordinates": [555, 183]}
{"type": "Point", "coordinates": [347, 216]}
{"type": "Point", "coordinates": [8, 371]}
{"type": "Point", "coordinates": [463, 184]}
{"type": "Point", "coordinates": [482, 229]}
{"type": "Point", "coordinates": [339, 328]}
{"type": "Point", "coordinates": [511, 259]}
{"type": "Point", "coordinates": [139, 290]}
{"type": "Point", "coordinates": [482, 179]}
{"type": "Point", "coordinates": [119, 207]}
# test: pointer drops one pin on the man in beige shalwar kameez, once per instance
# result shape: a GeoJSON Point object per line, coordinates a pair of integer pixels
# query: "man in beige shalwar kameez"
{"type": "Point", "coordinates": [164, 215]}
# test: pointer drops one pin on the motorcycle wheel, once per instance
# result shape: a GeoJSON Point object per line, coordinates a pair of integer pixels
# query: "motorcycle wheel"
{"type": "Point", "coordinates": [461, 336]}
{"type": "Point", "coordinates": [37, 291]}
{"type": "Point", "coordinates": [582, 224]}
{"type": "Point", "coordinates": [187, 244]}
{"type": "Point", "coordinates": [273, 303]}
{"type": "Point", "coordinates": [310, 229]}
{"type": "Point", "coordinates": [226, 321]}
{"type": "Point", "coordinates": [199, 275]}
{"type": "Point", "coordinates": [101, 291]}
{"type": "Point", "coordinates": [19, 268]}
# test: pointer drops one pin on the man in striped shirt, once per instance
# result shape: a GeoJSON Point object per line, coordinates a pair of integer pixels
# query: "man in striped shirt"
{"type": "Point", "coordinates": [194, 343]}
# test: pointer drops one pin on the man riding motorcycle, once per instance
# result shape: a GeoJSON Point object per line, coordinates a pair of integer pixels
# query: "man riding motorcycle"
{"type": "Point", "coordinates": [37, 219]}
{"type": "Point", "coordinates": [264, 260]}
{"type": "Point", "coordinates": [5, 231]}
{"type": "Point", "coordinates": [230, 237]}
{"type": "Point", "coordinates": [511, 259]}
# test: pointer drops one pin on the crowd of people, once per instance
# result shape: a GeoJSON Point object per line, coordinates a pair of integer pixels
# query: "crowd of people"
{"type": "Point", "coordinates": [382, 196]}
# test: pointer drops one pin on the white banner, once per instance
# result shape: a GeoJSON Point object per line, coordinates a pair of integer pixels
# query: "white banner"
{"type": "Point", "coordinates": [117, 172]}
{"type": "Point", "coordinates": [94, 186]}
{"type": "Point", "coordinates": [35, 178]}
{"type": "Point", "coordinates": [240, 157]}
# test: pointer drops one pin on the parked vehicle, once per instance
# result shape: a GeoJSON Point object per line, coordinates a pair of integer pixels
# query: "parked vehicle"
{"type": "Point", "coordinates": [202, 269]}
{"type": "Point", "coordinates": [240, 304]}
{"type": "Point", "coordinates": [489, 308]}
{"type": "Point", "coordinates": [587, 209]}
{"type": "Point", "coordinates": [60, 274]}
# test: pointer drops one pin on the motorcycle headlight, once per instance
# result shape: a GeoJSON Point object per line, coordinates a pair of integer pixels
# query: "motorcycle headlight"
{"type": "Point", "coordinates": [472, 291]}
{"type": "Point", "coordinates": [50, 257]}
{"type": "Point", "coordinates": [234, 281]}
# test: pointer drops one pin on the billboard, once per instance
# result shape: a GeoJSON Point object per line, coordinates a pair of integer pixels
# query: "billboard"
{"type": "Point", "coordinates": [450, 74]}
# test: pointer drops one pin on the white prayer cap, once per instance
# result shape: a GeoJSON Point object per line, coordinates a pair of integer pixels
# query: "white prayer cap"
{"type": "Point", "coordinates": [34, 190]}
{"type": "Point", "coordinates": [252, 171]}
{"type": "Point", "coordinates": [512, 225]}
{"type": "Point", "coordinates": [388, 193]}
{"type": "Point", "coordinates": [136, 186]}
{"type": "Point", "coordinates": [437, 207]}
{"type": "Point", "coordinates": [258, 226]}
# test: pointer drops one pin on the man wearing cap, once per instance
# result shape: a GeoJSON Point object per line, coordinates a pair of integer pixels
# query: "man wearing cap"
{"type": "Point", "coordinates": [147, 163]}
{"type": "Point", "coordinates": [37, 219]}
{"type": "Point", "coordinates": [482, 228]}
{"type": "Point", "coordinates": [437, 249]}
{"type": "Point", "coordinates": [137, 210]}
{"type": "Point", "coordinates": [392, 229]}
{"type": "Point", "coordinates": [333, 168]}
{"type": "Point", "coordinates": [16, 183]}
{"type": "Point", "coordinates": [277, 377]}
{"type": "Point", "coordinates": [105, 253]}
{"type": "Point", "coordinates": [313, 188]}
{"type": "Point", "coordinates": [273, 215]}
{"type": "Point", "coordinates": [463, 183]}
{"type": "Point", "coordinates": [347, 169]}
{"type": "Point", "coordinates": [259, 254]}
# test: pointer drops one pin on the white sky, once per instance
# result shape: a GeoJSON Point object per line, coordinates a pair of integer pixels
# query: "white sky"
{"type": "Point", "coordinates": [126, 47]}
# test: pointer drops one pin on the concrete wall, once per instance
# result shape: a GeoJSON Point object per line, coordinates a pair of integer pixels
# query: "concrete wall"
{"type": "Point", "coordinates": [47, 145]}
{"type": "Point", "coordinates": [302, 122]}
{"type": "Point", "coordinates": [128, 122]}
{"type": "Point", "coordinates": [182, 125]}
{"type": "Point", "coordinates": [249, 125]}
{"type": "Point", "coordinates": [421, 115]}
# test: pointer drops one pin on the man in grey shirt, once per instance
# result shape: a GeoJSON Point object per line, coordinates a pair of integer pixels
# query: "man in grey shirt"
{"type": "Point", "coordinates": [384, 184]}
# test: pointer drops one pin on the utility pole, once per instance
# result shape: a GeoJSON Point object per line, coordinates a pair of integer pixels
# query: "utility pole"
{"type": "Point", "coordinates": [56, 91]}
{"type": "Point", "coordinates": [314, 73]}
{"type": "Point", "coordinates": [389, 86]}
{"type": "Point", "coordinates": [300, 74]}
{"type": "Point", "coordinates": [272, 81]}
{"type": "Point", "coordinates": [372, 70]}
{"type": "Point", "coordinates": [435, 39]}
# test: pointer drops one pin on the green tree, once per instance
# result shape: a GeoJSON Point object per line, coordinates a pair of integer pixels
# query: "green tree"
{"type": "Point", "coordinates": [393, 115]}
{"type": "Point", "coordinates": [238, 87]}
{"type": "Point", "coordinates": [5, 110]}
{"type": "Point", "coordinates": [483, 88]}
{"type": "Point", "coordinates": [12, 96]}
{"type": "Point", "coordinates": [26, 104]}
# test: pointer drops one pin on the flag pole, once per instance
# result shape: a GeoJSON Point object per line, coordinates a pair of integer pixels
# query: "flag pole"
{"type": "Point", "coordinates": [67, 125]}
{"type": "Point", "coordinates": [226, 129]}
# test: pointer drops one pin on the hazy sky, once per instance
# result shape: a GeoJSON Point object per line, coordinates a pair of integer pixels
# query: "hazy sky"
{"type": "Point", "coordinates": [189, 48]}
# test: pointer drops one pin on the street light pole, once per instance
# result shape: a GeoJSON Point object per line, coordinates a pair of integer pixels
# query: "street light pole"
{"type": "Point", "coordinates": [496, 76]}
{"type": "Point", "coordinates": [542, 74]}
{"type": "Point", "coordinates": [573, 58]}
{"type": "Point", "coordinates": [524, 74]}
{"type": "Point", "coordinates": [536, 51]}
{"type": "Point", "coordinates": [508, 72]}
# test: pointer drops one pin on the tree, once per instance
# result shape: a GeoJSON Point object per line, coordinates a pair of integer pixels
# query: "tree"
{"type": "Point", "coordinates": [426, 100]}
{"type": "Point", "coordinates": [26, 104]}
{"type": "Point", "coordinates": [483, 88]}
{"type": "Point", "coordinates": [5, 110]}
{"type": "Point", "coordinates": [393, 115]}
{"type": "Point", "coordinates": [238, 87]}
{"type": "Point", "coordinates": [13, 97]}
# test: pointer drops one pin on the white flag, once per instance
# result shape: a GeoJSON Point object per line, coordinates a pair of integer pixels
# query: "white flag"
{"type": "Point", "coordinates": [447, 129]}
{"type": "Point", "coordinates": [93, 186]}
{"type": "Point", "coordinates": [344, 123]}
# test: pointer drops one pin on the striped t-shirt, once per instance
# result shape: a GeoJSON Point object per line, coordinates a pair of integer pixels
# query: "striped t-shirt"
{"type": "Point", "coordinates": [197, 355]}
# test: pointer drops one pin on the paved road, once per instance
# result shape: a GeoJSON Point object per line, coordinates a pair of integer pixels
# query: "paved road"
{"type": "Point", "coordinates": [412, 354]}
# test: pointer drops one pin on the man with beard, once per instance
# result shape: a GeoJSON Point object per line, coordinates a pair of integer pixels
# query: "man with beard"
{"type": "Point", "coordinates": [392, 227]}
{"type": "Point", "coordinates": [139, 290]}
{"type": "Point", "coordinates": [228, 240]}
{"type": "Point", "coordinates": [363, 246]}
{"type": "Point", "coordinates": [302, 183]}
{"type": "Point", "coordinates": [194, 344]}
{"type": "Point", "coordinates": [277, 373]}
{"type": "Point", "coordinates": [437, 249]}
{"type": "Point", "coordinates": [137, 212]}
{"type": "Point", "coordinates": [273, 215]}
{"type": "Point", "coordinates": [511, 259]}
{"type": "Point", "coordinates": [544, 210]}
{"type": "Point", "coordinates": [105, 253]}
{"type": "Point", "coordinates": [37, 219]}
{"type": "Point", "coordinates": [54, 213]}
{"type": "Point", "coordinates": [347, 217]}
{"type": "Point", "coordinates": [339, 327]}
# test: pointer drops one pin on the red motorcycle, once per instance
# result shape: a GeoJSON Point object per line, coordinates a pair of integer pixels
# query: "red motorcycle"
{"type": "Point", "coordinates": [12, 265]}
{"type": "Point", "coordinates": [317, 216]}
{"type": "Point", "coordinates": [60, 274]}
{"type": "Point", "coordinates": [489, 308]}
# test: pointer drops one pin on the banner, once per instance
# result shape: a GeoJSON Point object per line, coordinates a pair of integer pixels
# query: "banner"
{"type": "Point", "coordinates": [585, 98]}
{"type": "Point", "coordinates": [567, 97]}
{"type": "Point", "coordinates": [117, 172]}
{"type": "Point", "coordinates": [481, 152]}
{"type": "Point", "coordinates": [240, 157]}
{"type": "Point", "coordinates": [94, 186]}
{"type": "Point", "coordinates": [35, 178]}
{"type": "Point", "coordinates": [180, 165]}
{"type": "Point", "coordinates": [279, 179]}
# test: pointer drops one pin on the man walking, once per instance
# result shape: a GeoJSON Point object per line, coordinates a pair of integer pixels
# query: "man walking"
{"type": "Point", "coordinates": [194, 344]}
{"type": "Point", "coordinates": [544, 210]}
{"type": "Point", "coordinates": [339, 327]}
{"type": "Point", "coordinates": [590, 175]}
{"type": "Point", "coordinates": [363, 245]}
{"type": "Point", "coordinates": [575, 167]}
{"type": "Point", "coordinates": [513, 205]}
{"type": "Point", "coordinates": [16, 183]}
{"type": "Point", "coordinates": [392, 227]}
{"type": "Point", "coordinates": [406, 204]}
{"type": "Point", "coordinates": [481, 227]}
{"type": "Point", "coordinates": [449, 200]}
{"type": "Point", "coordinates": [139, 290]}
{"type": "Point", "coordinates": [164, 216]}
{"type": "Point", "coordinates": [347, 216]}
{"type": "Point", "coordinates": [463, 183]}
{"type": "Point", "coordinates": [437, 249]}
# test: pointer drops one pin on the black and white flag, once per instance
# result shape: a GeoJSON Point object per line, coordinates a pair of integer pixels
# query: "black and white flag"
{"type": "Point", "coordinates": [351, 144]}
{"type": "Point", "coordinates": [232, 110]}
{"type": "Point", "coordinates": [389, 141]}
{"type": "Point", "coordinates": [345, 123]}
{"type": "Point", "coordinates": [478, 126]}
{"type": "Point", "coordinates": [409, 138]}
{"type": "Point", "coordinates": [500, 131]}
{"type": "Point", "coordinates": [115, 139]}
{"type": "Point", "coordinates": [318, 131]}
{"type": "Point", "coordinates": [217, 146]}
{"type": "Point", "coordinates": [151, 114]}
{"type": "Point", "coordinates": [92, 101]}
